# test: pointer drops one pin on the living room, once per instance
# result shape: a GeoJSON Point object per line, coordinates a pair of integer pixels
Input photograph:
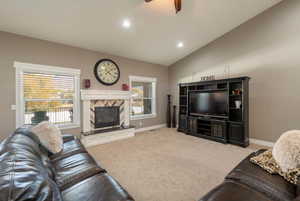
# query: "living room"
{"type": "Point", "coordinates": [161, 100]}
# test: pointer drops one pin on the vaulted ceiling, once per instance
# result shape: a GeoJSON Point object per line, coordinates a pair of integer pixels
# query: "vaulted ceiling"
{"type": "Point", "coordinates": [155, 29]}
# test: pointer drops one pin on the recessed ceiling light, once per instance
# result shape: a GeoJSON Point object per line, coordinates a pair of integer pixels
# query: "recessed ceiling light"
{"type": "Point", "coordinates": [126, 23]}
{"type": "Point", "coordinates": [180, 44]}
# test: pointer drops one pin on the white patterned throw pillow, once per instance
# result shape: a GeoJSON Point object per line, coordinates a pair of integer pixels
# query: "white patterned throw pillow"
{"type": "Point", "coordinates": [49, 135]}
{"type": "Point", "coordinates": [286, 150]}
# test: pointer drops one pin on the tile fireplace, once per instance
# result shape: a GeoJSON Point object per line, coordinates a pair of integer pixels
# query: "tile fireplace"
{"type": "Point", "coordinates": [102, 111]}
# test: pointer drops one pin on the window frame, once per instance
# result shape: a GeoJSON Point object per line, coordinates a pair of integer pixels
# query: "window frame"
{"type": "Point", "coordinates": [151, 80]}
{"type": "Point", "coordinates": [22, 68]}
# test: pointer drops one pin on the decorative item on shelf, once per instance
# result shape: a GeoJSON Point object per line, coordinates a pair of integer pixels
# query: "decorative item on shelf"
{"type": "Point", "coordinates": [208, 78]}
{"type": "Point", "coordinates": [237, 92]}
{"type": "Point", "coordinates": [87, 83]}
{"type": "Point", "coordinates": [125, 87]}
{"type": "Point", "coordinates": [174, 121]}
{"type": "Point", "coordinates": [238, 104]}
{"type": "Point", "coordinates": [169, 112]}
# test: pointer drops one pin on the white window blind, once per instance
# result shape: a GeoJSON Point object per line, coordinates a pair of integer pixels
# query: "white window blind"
{"type": "Point", "coordinates": [50, 95]}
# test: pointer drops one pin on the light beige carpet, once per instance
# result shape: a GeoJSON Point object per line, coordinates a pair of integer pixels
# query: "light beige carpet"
{"type": "Point", "coordinates": [165, 165]}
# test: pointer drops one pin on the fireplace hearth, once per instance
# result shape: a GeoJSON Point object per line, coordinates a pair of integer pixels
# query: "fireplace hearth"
{"type": "Point", "coordinates": [107, 116]}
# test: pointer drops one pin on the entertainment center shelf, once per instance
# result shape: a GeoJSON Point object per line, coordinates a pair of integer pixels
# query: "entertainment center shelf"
{"type": "Point", "coordinates": [216, 110]}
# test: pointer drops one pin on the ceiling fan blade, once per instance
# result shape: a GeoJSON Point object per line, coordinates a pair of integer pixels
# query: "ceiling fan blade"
{"type": "Point", "coordinates": [148, 0]}
{"type": "Point", "coordinates": [177, 5]}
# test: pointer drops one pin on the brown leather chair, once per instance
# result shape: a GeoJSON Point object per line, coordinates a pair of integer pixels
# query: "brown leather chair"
{"type": "Point", "coordinates": [249, 182]}
{"type": "Point", "coordinates": [29, 172]}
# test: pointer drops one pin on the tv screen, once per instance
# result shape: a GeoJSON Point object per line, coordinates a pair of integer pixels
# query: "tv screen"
{"type": "Point", "coordinates": [208, 103]}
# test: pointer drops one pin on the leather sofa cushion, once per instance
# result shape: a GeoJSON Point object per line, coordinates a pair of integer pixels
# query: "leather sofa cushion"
{"type": "Point", "coordinates": [233, 191]}
{"type": "Point", "coordinates": [75, 168]}
{"type": "Point", "coordinates": [255, 177]}
{"type": "Point", "coordinates": [34, 145]}
{"type": "Point", "coordinates": [100, 187]}
{"type": "Point", "coordinates": [70, 147]}
{"type": "Point", "coordinates": [68, 137]}
{"type": "Point", "coordinates": [23, 175]}
{"type": "Point", "coordinates": [30, 142]}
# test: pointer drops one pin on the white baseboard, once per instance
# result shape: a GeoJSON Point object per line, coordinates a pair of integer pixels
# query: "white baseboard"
{"type": "Point", "coordinates": [262, 142]}
{"type": "Point", "coordinates": [252, 140]}
{"type": "Point", "coordinates": [150, 128]}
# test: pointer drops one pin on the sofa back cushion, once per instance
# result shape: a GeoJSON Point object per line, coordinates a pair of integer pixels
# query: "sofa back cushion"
{"type": "Point", "coordinates": [25, 173]}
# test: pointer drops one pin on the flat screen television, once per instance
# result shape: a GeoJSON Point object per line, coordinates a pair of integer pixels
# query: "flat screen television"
{"type": "Point", "coordinates": [208, 103]}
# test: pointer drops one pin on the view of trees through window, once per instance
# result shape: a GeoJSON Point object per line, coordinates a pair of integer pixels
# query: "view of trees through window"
{"type": "Point", "coordinates": [48, 97]}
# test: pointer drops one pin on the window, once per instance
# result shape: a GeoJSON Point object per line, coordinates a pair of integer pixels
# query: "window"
{"type": "Point", "coordinates": [46, 93]}
{"type": "Point", "coordinates": [143, 101]}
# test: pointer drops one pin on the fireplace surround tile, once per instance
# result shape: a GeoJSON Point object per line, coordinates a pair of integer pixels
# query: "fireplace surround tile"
{"type": "Point", "coordinates": [105, 98]}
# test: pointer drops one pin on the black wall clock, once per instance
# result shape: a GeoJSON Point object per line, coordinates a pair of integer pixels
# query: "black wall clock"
{"type": "Point", "coordinates": [107, 72]}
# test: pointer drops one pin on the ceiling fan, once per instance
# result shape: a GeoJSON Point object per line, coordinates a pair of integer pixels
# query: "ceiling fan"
{"type": "Point", "coordinates": [176, 2]}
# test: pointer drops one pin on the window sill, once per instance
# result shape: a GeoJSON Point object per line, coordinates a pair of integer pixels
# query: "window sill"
{"type": "Point", "coordinates": [68, 126]}
{"type": "Point", "coordinates": [144, 116]}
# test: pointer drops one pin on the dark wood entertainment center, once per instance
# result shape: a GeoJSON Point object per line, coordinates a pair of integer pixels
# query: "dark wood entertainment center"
{"type": "Point", "coordinates": [233, 127]}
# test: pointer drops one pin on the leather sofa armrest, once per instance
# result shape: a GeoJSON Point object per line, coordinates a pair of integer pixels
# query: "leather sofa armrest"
{"type": "Point", "coordinates": [253, 176]}
{"type": "Point", "coordinates": [297, 198]}
{"type": "Point", "coordinates": [68, 137]}
{"type": "Point", "coordinates": [298, 190]}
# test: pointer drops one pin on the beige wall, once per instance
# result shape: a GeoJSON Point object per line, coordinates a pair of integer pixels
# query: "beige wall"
{"type": "Point", "coordinates": [267, 48]}
{"type": "Point", "coordinates": [23, 49]}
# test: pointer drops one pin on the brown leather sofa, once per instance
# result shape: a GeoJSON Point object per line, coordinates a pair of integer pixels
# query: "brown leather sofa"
{"type": "Point", "coordinates": [28, 172]}
{"type": "Point", "coordinates": [249, 182]}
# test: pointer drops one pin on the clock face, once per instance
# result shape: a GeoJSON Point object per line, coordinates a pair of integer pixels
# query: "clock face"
{"type": "Point", "coordinates": [107, 72]}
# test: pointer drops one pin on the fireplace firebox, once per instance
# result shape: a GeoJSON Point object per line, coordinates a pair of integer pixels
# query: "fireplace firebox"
{"type": "Point", "coordinates": [108, 116]}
